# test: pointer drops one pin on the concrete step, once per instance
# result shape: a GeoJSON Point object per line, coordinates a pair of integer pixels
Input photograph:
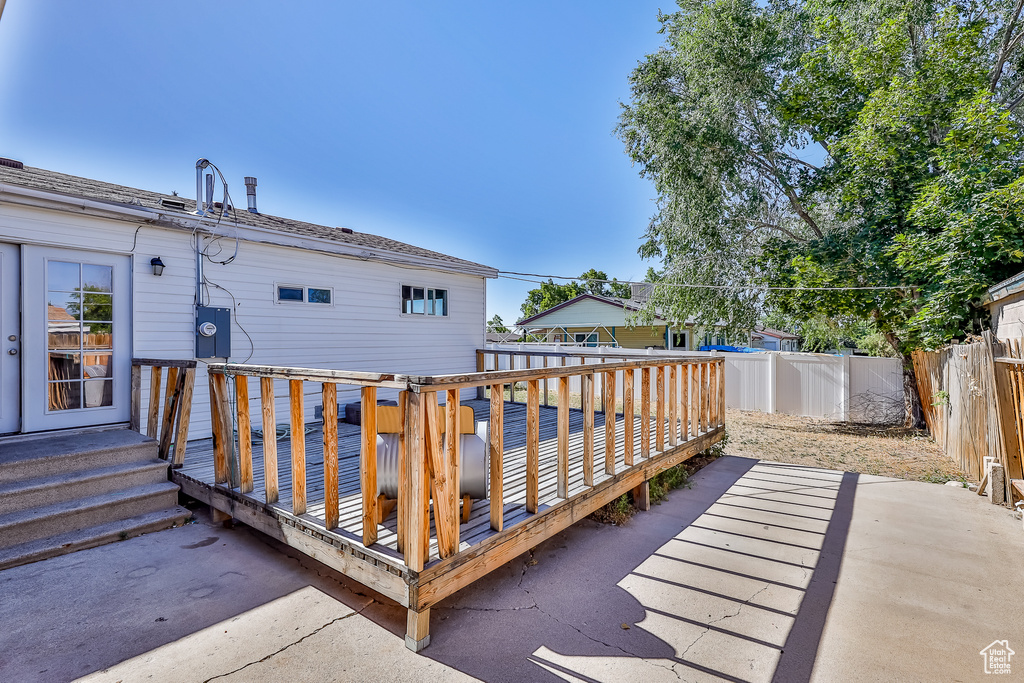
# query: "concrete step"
{"type": "Point", "coordinates": [101, 534]}
{"type": "Point", "coordinates": [67, 486]}
{"type": "Point", "coordinates": [44, 456]}
{"type": "Point", "coordinates": [24, 526]}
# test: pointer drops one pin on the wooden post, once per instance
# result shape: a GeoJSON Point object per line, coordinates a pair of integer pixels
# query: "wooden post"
{"type": "Point", "coordinates": [135, 413]}
{"type": "Point", "coordinates": [415, 492]}
{"type": "Point", "coordinates": [400, 522]}
{"type": "Point", "coordinates": [480, 367]}
{"type": "Point", "coordinates": [497, 456]}
{"type": "Point", "coordinates": [562, 479]}
{"type": "Point", "coordinates": [367, 458]}
{"type": "Point", "coordinates": [269, 438]}
{"type": "Point", "coordinates": [184, 417]}
{"type": "Point", "coordinates": [628, 418]}
{"type": "Point", "coordinates": [532, 446]}
{"type": "Point", "coordinates": [587, 402]}
{"type": "Point", "coordinates": [546, 395]}
{"type": "Point", "coordinates": [298, 445]}
{"type": "Point", "coordinates": [417, 633]}
{"type": "Point", "coordinates": [645, 412]}
{"type": "Point", "coordinates": [154, 400]}
{"type": "Point", "coordinates": [704, 395]}
{"type": "Point", "coordinates": [221, 422]}
{"type": "Point", "coordinates": [244, 434]}
{"type": "Point", "coordinates": [659, 409]}
{"type": "Point", "coordinates": [684, 400]}
{"type": "Point", "coordinates": [609, 423]}
{"type": "Point", "coordinates": [642, 496]}
{"type": "Point", "coordinates": [329, 393]}
{"type": "Point", "coordinates": [445, 513]}
{"type": "Point", "coordinates": [721, 393]}
{"type": "Point", "coordinates": [171, 392]}
{"type": "Point", "coordinates": [670, 377]}
{"type": "Point", "coordinates": [452, 450]}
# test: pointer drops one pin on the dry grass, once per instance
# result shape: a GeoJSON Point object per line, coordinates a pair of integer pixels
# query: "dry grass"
{"type": "Point", "coordinates": [885, 451]}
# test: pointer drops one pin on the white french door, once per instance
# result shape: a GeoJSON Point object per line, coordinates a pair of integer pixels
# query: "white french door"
{"type": "Point", "coordinates": [10, 339]}
{"type": "Point", "coordinates": [76, 319]}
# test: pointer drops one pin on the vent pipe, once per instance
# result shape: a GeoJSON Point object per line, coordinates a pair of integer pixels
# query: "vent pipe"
{"type": "Point", "coordinates": [201, 165]}
{"type": "Point", "coordinates": [209, 191]}
{"type": "Point", "coordinates": [250, 193]}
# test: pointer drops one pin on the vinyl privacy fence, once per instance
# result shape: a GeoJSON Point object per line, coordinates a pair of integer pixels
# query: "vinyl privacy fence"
{"type": "Point", "coordinates": [842, 388]}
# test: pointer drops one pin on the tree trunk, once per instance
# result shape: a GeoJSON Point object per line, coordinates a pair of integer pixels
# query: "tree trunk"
{"type": "Point", "coordinates": [913, 411]}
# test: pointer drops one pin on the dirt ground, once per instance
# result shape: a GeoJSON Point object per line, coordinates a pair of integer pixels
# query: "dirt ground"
{"type": "Point", "coordinates": [883, 451]}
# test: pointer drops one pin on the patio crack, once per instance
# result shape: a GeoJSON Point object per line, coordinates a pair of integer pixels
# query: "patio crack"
{"type": "Point", "coordinates": [279, 651]}
{"type": "Point", "coordinates": [723, 618]}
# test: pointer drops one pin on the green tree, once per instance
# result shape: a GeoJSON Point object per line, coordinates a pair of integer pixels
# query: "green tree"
{"type": "Point", "coordinates": [830, 145]}
{"type": "Point", "coordinates": [549, 294]}
{"type": "Point", "coordinates": [496, 324]}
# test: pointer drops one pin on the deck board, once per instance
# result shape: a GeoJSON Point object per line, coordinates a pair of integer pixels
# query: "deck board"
{"type": "Point", "coordinates": [198, 466]}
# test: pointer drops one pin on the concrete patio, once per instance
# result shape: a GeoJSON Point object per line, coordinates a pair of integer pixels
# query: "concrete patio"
{"type": "Point", "coordinates": [760, 572]}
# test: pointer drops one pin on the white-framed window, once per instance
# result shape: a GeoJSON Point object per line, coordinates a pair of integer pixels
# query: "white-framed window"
{"type": "Point", "coordinates": [679, 340]}
{"type": "Point", "coordinates": [418, 300]}
{"type": "Point", "coordinates": [303, 294]}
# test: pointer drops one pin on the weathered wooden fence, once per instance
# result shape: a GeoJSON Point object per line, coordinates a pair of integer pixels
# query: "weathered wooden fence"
{"type": "Point", "coordinates": [972, 396]}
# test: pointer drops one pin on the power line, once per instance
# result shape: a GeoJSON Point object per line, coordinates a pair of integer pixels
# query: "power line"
{"type": "Point", "coordinates": [509, 275]}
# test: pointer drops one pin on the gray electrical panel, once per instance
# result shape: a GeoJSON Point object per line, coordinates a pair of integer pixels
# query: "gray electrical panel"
{"type": "Point", "coordinates": [213, 332]}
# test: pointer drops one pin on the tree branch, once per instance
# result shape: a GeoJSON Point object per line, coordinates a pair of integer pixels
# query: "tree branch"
{"type": "Point", "coordinates": [1008, 42]}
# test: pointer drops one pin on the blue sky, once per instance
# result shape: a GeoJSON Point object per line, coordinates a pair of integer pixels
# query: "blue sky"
{"type": "Point", "coordinates": [479, 129]}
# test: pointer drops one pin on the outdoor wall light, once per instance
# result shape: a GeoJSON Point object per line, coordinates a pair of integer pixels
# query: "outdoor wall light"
{"type": "Point", "coordinates": [158, 266]}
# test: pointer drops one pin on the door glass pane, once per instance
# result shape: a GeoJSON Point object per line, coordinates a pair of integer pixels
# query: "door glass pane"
{"type": "Point", "coordinates": [65, 365]}
{"type": "Point", "coordinates": [97, 335]}
{"type": "Point", "coordinates": [64, 335]}
{"type": "Point", "coordinates": [63, 306]}
{"type": "Point", "coordinates": [63, 276]}
{"type": "Point", "coordinates": [99, 393]}
{"type": "Point", "coordinates": [97, 307]}
{"type": "Point", "coordinates": [98, 365]}
{"type": "Point", "coordinates": [65, 395]}
{"type": "Point", "coordinates": [96, 278]}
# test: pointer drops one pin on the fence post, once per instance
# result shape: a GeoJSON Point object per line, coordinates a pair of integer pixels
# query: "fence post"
{"type": "Point", "coordinates": [773, 381]}
{"type": "Point", "coordinates": [845, 412]}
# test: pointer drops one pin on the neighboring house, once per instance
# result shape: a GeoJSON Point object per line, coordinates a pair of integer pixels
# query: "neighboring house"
{"type": "Point", "coordinates": [80, 297]}
{"type": "Point", "coordinates": [502, 337]}
{"type": "Point", "coordinates": [591, 320]}
{"type": "Point", "coordinates": [1005, 302]}
{"type": "Point", "coordinates": [775, 340]}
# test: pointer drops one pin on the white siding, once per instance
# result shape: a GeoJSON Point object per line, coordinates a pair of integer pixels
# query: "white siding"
{"type": "Point", "coordinates": [584, 312]}
{"type": "Point", "coordinates": [362, 330]}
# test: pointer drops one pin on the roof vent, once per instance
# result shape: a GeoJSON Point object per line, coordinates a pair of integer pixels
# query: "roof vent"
{"type": "Point", "coordinates": [173, 204]}
{"type": "Point", "coordinates": [250, 193]}
{"type": "Point", "coordinates": [347, 231]}
{"type": "Point", "coordinates": [11, 163]}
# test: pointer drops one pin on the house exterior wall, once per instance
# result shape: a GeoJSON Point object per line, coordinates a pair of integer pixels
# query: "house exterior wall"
{"type": "Point", "coordinates": [584, 312]}
{"type": "Point", "coordinates": [1008, 317]}
{"type": "Point", "coordinates": [640, 337]}
{"type": "Point", "coordinates": [362, 330]}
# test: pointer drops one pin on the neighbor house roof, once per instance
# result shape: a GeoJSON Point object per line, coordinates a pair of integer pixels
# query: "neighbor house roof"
{"type": "Point", "coordinates": [778, 334]}
{"type": "Point", "coordinates": [134, 198]}
{"type": "Point", "coordinates": [1004, 289]}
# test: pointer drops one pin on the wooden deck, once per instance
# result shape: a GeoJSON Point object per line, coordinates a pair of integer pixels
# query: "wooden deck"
{"type": "Point", "coordinates": [199, 470]}
{"type": "Point", "coordinates": [421, 552]}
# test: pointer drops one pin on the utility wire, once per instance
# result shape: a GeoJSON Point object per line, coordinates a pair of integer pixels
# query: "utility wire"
{"type": "Point", "coordinates": [510, 275]}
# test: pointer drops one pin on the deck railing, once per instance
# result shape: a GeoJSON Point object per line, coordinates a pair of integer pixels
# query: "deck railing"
{"type": "Point", "coordinates": [172, 427]}
{"type": "Point", "coordinates": [684, 396]}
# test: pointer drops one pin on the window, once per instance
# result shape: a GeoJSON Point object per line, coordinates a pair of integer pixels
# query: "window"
{"type": "Point", "coordinates": [678, 340]}
{"type": "Point", "coordinates": [304, 294]}
{"type": "Point", "coordinates": [424, 301]}
{"type": "Point", "coordinates": [586, 339]}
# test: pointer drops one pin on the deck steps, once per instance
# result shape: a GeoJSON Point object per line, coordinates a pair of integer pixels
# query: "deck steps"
{"type": "Point", "coordinates": [70, 491]}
